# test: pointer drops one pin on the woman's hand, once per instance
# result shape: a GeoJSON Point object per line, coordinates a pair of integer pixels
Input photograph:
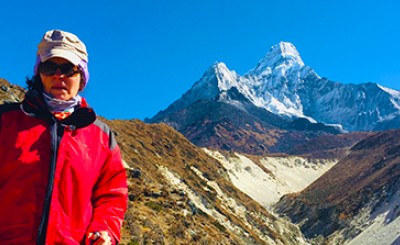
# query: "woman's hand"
{"type": "Point", "coordinates": [98, 238]}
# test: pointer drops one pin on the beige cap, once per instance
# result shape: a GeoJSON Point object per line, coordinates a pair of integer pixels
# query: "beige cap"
{"type": "Point", "coordinates": [56, 43]}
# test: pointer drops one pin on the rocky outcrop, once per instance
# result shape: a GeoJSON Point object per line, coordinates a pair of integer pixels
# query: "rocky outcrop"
{"type": "Point", "coordinates": [364, 181]}
{"type": "Point", "coordinates": [10, 93]}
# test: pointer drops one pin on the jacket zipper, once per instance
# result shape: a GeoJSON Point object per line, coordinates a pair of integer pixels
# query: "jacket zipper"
{"type": "Point", "coordinates": [57, 131]}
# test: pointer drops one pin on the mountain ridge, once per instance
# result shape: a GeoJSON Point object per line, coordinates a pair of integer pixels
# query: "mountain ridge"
{"type": "Point", "coordinates": [282, 84]}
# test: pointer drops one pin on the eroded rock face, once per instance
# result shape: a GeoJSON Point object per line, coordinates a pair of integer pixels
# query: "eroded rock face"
{"type": "Point", "coordinates": [10, 93]}
{"type": "Point", "coordinates": [363, 182]}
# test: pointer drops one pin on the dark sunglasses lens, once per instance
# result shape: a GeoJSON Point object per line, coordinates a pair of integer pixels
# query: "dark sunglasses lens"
{"type": "Point", "coordinates": [50, 68]}
{"type": "Point", "coordinates": [68, 69]}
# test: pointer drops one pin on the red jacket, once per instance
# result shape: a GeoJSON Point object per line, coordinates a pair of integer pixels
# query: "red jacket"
{"type": "Point", "coordinates": [59, 180]}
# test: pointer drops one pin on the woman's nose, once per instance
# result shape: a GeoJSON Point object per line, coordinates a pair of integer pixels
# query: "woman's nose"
{"type": "Point", "coordinates": [59, 73]}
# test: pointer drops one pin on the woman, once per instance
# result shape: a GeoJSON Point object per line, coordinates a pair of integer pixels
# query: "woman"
{"type": "Point", "coordinates": [61, 174]}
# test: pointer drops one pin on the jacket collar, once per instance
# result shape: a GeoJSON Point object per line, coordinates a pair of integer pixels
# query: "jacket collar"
{"type": "Point", "coordinates": [34, 106]}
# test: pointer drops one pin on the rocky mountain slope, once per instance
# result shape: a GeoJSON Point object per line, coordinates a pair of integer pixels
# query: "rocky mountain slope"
{"type": "Point", "coordinates": [10, 93]}
{"type": "Point", "coordinates": [223, 126]}
{"type": "Point", "coordinates": [360, 191]}
{"type": "Point", "coordinates": [329, 146]}
{"type": "Point", "coordinates": [181, 195]}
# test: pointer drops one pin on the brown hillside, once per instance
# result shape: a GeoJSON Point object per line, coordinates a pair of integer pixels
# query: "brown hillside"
{"type": "Point", "coordinates": [366, 177]}
{"type": "Point", "coordinates": [329, 146]}
{"type": "Point", "coordinates": [161, 213]}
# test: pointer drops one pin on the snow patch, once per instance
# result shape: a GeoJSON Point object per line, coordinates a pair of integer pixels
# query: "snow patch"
{"type": "Point", "coordinates": [390, 91]}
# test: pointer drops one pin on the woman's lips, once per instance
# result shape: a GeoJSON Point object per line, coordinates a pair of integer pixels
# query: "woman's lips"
{"type": "Point", "coordinates": [59, 88]}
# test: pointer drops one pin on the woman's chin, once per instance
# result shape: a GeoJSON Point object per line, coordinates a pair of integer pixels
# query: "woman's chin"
{"type": "Point", "coordinates": [61, 96]}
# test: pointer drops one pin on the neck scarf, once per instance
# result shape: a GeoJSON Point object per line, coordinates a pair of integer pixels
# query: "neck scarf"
{"type": "Point", "coordinates": [56, 105]}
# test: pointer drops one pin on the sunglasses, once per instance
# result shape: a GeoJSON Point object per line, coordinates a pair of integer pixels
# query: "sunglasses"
{"type": "Point", "coordinates": [50, 68]}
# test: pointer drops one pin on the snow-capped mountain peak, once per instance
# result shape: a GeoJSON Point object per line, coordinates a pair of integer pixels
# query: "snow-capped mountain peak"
{"type": "Point", "coordinates": [283, 55]}
{"type": "Point", "coordinates": [226, 78]}
{"type": "Point", "coordinates": [217, 78]}
{"type": "Point", "coordinates": [285, 50]}
{"type": "Point", "coordinates": [282, 84]}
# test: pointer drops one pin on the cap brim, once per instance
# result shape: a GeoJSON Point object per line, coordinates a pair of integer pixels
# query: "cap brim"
{"type": "Point", "coordinates": [71, 57]}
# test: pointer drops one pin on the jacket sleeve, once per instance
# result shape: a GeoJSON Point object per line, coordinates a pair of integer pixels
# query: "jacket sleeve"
{"type": "Point", "coordinates": [110, 197]}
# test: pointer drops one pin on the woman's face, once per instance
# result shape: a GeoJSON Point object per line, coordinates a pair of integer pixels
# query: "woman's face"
{"type": "Point", "coordinates": [60, 85]}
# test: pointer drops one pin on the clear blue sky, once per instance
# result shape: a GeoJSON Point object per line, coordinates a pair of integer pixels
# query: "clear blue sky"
{"type": "Point", "coordinates": [143, 55]}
